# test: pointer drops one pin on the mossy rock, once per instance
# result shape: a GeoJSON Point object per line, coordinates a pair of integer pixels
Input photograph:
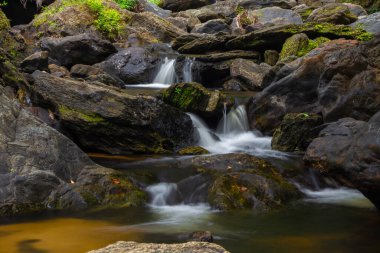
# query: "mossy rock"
{"type": "Point", "coordinates": [333, 13]}
{"type": "Point", "coordinates": [274, 37]}
{"type": "Point", "coordinates": [371, 6]}
{"type": "Point", "coordinates": [299, 45]}
{"type": "Point", "coordinates": [297, 131]}
{"type": "Point", "coordinates": [196, 150]}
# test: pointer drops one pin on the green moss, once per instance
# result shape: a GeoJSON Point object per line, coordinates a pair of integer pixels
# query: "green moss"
{"type": "Point", "coordinates": [4, 22]}
{"type": "Point", "coordinates": [193, 151]}
{"type": "Point", "coordinates": [92, 118]}
{"type": "Point", "coordinates": [159, 3]}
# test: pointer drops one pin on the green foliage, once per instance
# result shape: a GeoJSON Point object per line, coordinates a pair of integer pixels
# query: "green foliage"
{"type": "Point", "coordinates": [127, 4]}
{"type": "Point", "coordinates": [156, 2]}
{"type": "Point", "coordinates": [3, 3]}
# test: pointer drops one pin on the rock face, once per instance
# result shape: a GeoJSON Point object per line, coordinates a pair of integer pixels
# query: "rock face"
{"type": "Point", "coordinates": [42, 169]}
{"type": "Point", "coordinates": [340, 79]}
{"type": "Point", "coordinates": [130, 247]}
{"type": "Point", "coordinates": [121, 123]}
{"type": "Point", "coordinates": [36, 61]}
{"type": "Point", "coordinates": [370, 23]}
{"type": "Point", "coordinates": [212, 27]}
{"type": "Point", "coordinates": [349, 151]}
{"type": "Point", "coordinates": [95, 74]}
{"type": "Point", "coordinates": [333, 13]}
{"type": "Point", "coordinates": [273, 16]}
{"type": "Point", "coordinates": [296, 132]}
{"type": "Point", "coordinates": [78, 49]}
{"type": "Point", "coordinates": [133, 65]}
{"type": "Point", "coordinates": [182, 5]}
{"type": "Point", "coordinates": [241, 181]}
{"type": "Point", "coordinates": [193, 97]}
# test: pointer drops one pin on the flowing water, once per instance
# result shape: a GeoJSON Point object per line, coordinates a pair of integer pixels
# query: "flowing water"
{"type": "Point", "coordinates": [188, 70]}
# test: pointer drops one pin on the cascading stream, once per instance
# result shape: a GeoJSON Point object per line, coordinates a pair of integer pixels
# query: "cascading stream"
{"type": "Point", "coordinates": [166, 74]}
{"type": "Point", "coordinates": [188, 70]}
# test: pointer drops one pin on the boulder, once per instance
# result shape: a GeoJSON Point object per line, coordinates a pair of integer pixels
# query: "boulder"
{"type": "Point", "coordinates": [193, 97]}
{"type": "Point", "coordinates": [36, 61]}
{"type": "Point", "coordinates": [182, 5]}
{"type": "Point", "coordinates": [58, 71]}
{"type": "Point", "coordinates": [43, 170]}
{"type": "Point", "coordinates": [371, 6]}
{"type": "Point", "coordinates": [78, 49]}
{"type": "Point", "coordinates": [271, 57]}
{"type": "Point", "coordinates": [333, 13]}
{"type": "Point", "coordinates": [296, 132]}
{"type": "Point", "coordinates": [122, 123]}
{"type": "Point", "coordinates": [370, 23]}
{"type": "Point", "coordinates": [201, 236]}
{"type": "Point", "coordinates": [349, 150]}
{"type": "Point", "coordinates": [153, 8]}
{"type": "Point", "coordinates": [255, 4]}
{"type": "Point", "coordinates": [133, 65]}
{"type": "Point", "coordinates": [273, 16]}
{"type": "Point", "coordinates": [195, 150]}
{"type": "Point", "coordinates": [212, 27]}
{"type": "Point", "coordinates": [249, 74]}
{"type": "Point", "coordinates": [241, 181]}
{"type": "Point", "coordinates": [339, 79]}
{"type": "Point", "coordinates": [95, 74]}
{"type": "Point", "coordinates": [355, 9]}
{"type": "Point", "coordinates": [193, 247]}
{"type": "Point", "coordinates": [204, 44]}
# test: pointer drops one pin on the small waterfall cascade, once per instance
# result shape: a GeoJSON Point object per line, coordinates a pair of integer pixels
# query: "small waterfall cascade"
{"type": "Point", "coordinates": [236, 121]}
{"type": "Point", "coordinates": [163, 194]}
{"type": "Point", "coordinates": [204, 134]}
{"type": "Point", "coordinates": [188, 70]}
{"type": "Point", "coordinates": [166, 73]}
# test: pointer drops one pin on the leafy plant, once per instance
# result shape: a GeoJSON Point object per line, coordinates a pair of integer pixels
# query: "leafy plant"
{"type": "Point", "coordinates": [127, 4]}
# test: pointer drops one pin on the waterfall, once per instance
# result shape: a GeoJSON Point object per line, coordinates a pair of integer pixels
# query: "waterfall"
{"type": "Point", "coordinates": [163, 194]}
{"type": "Point", "coordinates": [204, 134]}
{"type": "Point", "coordinates": [188, 70]}
{"type": "Point", "coordinates": [166, 74]}
{"type": "Point", "coordinates": [234, 122]}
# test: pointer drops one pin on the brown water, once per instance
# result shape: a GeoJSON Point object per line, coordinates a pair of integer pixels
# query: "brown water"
{"type": "Point", "coordinates": [335, 221]}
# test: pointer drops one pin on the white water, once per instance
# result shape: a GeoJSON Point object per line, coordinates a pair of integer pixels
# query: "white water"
{"type": "Point", "coordinates": [166, 74]}
{"type": "Point", "coordinates": [233, 135]}
{"type": "Point", "coordinates": [339, 196]}
{"type": "Point", "coordinates": [150, 86]}
{"type": "Point", "coordinates": [188, 70]}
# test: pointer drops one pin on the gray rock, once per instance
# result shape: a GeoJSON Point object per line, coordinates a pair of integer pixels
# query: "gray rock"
{"type": "Point", "coordinates": [274, 16]}
{"type": "Point", "coordinates": [370, 23]}
{"type": "Point", "coordinates": [259, 4]}
{"type": "Point", "coordinates": [134, 247]}
{"type": "Point", "coordinates": [356, 9]}
{"type": "Point", "coordinates": [249, 73]}
{"type": "Point", "coordinates": [182, 5]}
{"type": "Point", "coordinates": [212, 27]}
{"type": "Point", "coordinates": [333, 13]}
{"type": "Point", "coordinates": [151, 7]}
{"type": "Point", "coordinates": [95, 74]}
{"type": "Point", "coordinates": [36, 61]}
{"type": "Point", "coordinates": [78, 49]}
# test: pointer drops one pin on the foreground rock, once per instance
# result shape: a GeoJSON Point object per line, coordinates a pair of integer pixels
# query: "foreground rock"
{"type": "Point", "coordinates": [340, 79]}
{"type": "Point", "coordinates": [42, 169]}
{"type": "Point", "coordinates": [349, 151]}
{"type": "Point", "coordinates": [134, 247]}
{"type": "Point", "coordinates": [107, 119]}
{"type": "Point", "coordinates": [241, 181]}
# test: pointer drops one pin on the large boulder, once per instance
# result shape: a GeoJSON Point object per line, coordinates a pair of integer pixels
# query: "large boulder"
{"type": "Point", "coordinates": [296, 132]}
{"type": "Point", "coordinates": [370, 23]}
{"type": "Point", "coordinates": [95, 74]}
{"type": "Point", "coordinates": [133, 65]}
{"type": "Point", "coordinates": [273, 16]}
{"type": "Point", "coordinates": [121, 123]}
{"type": "Point", "coordinates": [258, 4]}
{"type": "Point", "coordinates": [193, 247]}
{"type": "Point", "coordinates": [212, 27]}
{"type": "Point", "coordinates": [41, 169]}
{"type": "Point", "coordinates": [78, 49]}
{"type": "Point", "coordinates": [241, 181]}
{"type": "Point", "coordinates": [36, 61]}
{"type": "Point", "coordinates": [182, 5]}
{"type": "Point", "coordinates": [339, 79]}
{"type": "Point", "coordinates": [203, 44]}
{"type": "Point", "coordinates": [333, 13]}
{"type": "Point", "coordinates": [349, 151]}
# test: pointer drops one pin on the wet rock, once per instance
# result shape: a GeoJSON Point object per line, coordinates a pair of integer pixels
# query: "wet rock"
{"type": "Point", "coordinates": [196, 150]}
{"type": "Point", "coordinates": [348, 150]}
{"type": "Point", "coordinates": [370, 23]}
{"type": "Point", "coordinates": [212, 27]}
{"type": "Point", "coordinates": [78, 49]}
{"type": "Point", "coordinates": [249, 73]}
{"type": "Point", "coordinates": [121, 123]}
{"type": "Point", "coordinates": [194, 247]}
{"type": "Point", "coordinates": [204, 44]}
{"type": "Point", "coordinates": [94, 74]}
{"type": "Point", "coordinates": [296, 132]}
{"type": "Point", "coordinates": [201, 236]}
{"type": "Point", "coordinates": [133, 65]}
{"type": "Point", "coordinates": [339, 79]}
{"type": "Point", "coordinates": [193, 97]}
{"type": "Point", "coordinates": [36, 61]}
{"type": "Point", "coordinates": [241, 181]}
{"type": "Point", "coordinates": [333, 13]}
{"type": "Point", "coordinates": [182, 5]}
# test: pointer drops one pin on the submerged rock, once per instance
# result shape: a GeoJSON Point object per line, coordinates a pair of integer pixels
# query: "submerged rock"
{"type": "Point", "coordinates": [193, 247]}
{"type": "Point", "coordinates": [296, 132]}
{"type": "Point", "coordinates": [201, 236]}
{"type": "Point", "coordinates": [121, 123]}
{"type": "Point", "coordinates": [349, 151]}
{"type": "Point", "coordinates": [241, 181]}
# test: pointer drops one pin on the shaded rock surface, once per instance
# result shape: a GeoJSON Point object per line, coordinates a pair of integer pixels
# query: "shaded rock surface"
{"type": "Point", "coordinates": [182, 5]}
{"type": "Point", "coordinates": [106, 119]}
{"type": "Point", "coordinates": [36, 61]}
{"type": "Point", "coordinates": [134, 247]}
{"type": "Point", "coordinates": [349, 151]}
{"type": "Point", "coordinates": [370, 23]}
